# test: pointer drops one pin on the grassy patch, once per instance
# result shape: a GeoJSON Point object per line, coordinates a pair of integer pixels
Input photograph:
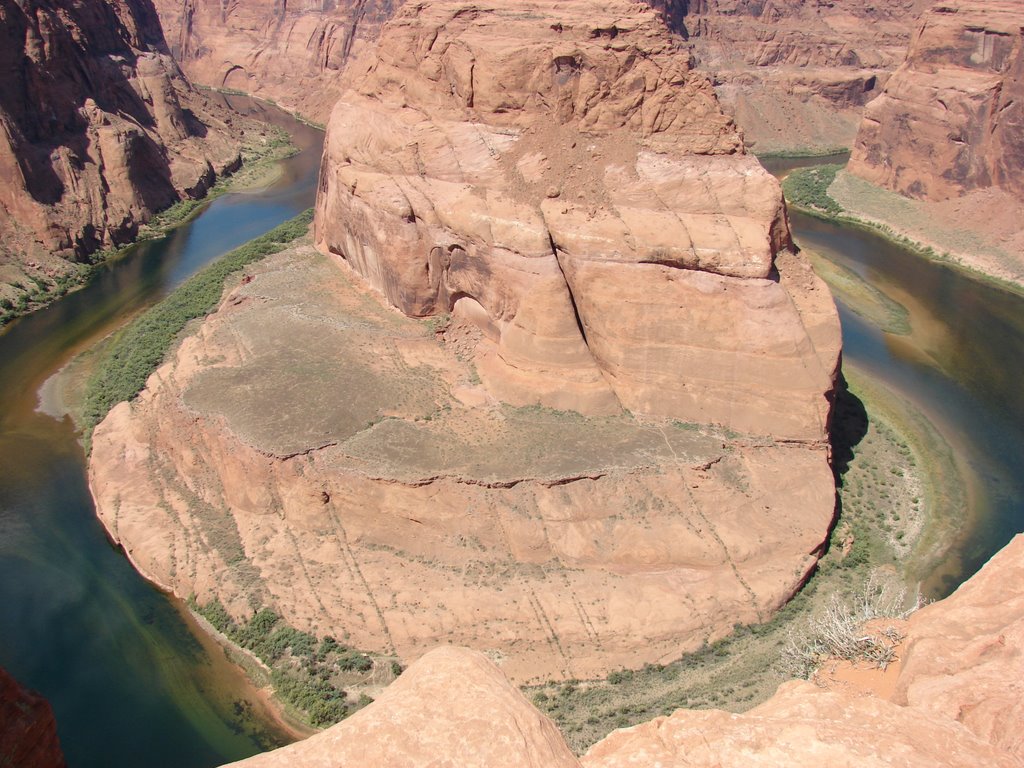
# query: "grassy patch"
{"type": "Point", "coordinates": [309, 674]}
{"type": "Point", "coordinates": [139, 348]}
{"type": "Point", "coordinates": [807, 189]}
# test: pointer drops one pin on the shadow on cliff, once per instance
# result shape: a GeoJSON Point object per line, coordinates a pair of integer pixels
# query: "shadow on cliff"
{"type": "Point", "coordinates": [849, 426]}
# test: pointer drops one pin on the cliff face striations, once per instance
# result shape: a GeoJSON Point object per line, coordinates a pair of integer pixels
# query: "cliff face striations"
{"type": "Point", "coordinates": [28, 732]}
{"type": "Point", "coordinates": [957, 704]}
{"type": "Point", "coordinates": [559, 179]}
{"type": "Point", "coordinates": [951, 119]}
{"type": "Point", "coordinates": [291, 53]}
{"type": "Point", "coordinates": [796, 74]}
{"type": "Point", "coordinates": [533, 471]}
{"type": "Point", "coordinates": [98, 130]}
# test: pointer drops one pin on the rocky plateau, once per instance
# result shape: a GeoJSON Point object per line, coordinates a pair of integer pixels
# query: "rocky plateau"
{"type": "Point", "coordinates": [607, 443]}
{"type": "Point", "coordinates": [99, 131]}
{"type": "Point", "coordinates": [956, 702]}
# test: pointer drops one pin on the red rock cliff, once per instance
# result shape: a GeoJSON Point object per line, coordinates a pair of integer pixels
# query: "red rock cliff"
{"type": "Point", "coordinates": [951, 119]}
{"type": "Point", "coordinates": [28, 732]}
{"type": "Point", "coordinates": [98, 129]}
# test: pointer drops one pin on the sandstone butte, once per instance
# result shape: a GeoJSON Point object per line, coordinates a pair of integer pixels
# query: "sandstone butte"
{"type": "Point", "coordinates": [795, 74]}
{"type": "Point", "coordinates": [28, 731]}
{"type": "Point", "coordinates": [951, 119]}
{"type": "Point", "coordinates": [99, 131]}
{"type": "Point", "coordinates": [536, 472]}
{"type": "Point", "coordinates": [956, 702]}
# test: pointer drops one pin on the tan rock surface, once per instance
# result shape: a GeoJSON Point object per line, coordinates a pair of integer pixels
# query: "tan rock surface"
{"type": "Point", "coordinates": [951, 118]}
{"type": "Point", "coordinates": [313, 450]}
{"type": "Point", "coordinates": [555, 175]}
{"type": "Point", "coordinates": [452, 708]}
{"type": "Point", "coordinates": [99, 131]}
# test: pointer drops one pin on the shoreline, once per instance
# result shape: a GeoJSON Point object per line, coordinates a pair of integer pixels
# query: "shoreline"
{"type": "Point", "coordinates": [890, 231]}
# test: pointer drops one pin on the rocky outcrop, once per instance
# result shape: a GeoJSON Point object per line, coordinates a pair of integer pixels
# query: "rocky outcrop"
{"type": "Point", "coordinates": [951, 119]}
{"type": "Point", "coordinates": [312, 450]}
{"type": "Point", "coordinates": [291, 53]}
{"type": "Point", "coordinates": [796, 74]}
{"type": "Point", "coordinates": [28, 731]}
{"type": "Point", "coordinates": [98, 130]}
{"type": "Point", "coordinates": [562, 180]}
{"type": "Point", "coordinates": [612, 445]}
{"type": "Point", "coordinates": [453, 707]}
{"type": "Point", "coordinates": [958, 704]}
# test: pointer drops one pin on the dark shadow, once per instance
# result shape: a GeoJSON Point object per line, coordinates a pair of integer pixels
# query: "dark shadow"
{"type": "Point", "coordinates": [849, 426]}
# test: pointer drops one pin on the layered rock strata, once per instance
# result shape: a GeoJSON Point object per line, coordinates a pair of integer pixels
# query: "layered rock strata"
{"type": "Point", "coordinates": [797, 74]}
{"type": "Point", "coordinates": [98, 130]}
{"type": "Point", "coordinates": [28, 731]}
{"type": "Point", "coordinates": [556, 176]}
{"type": "Point", "coordinates": [291, 53]}
{"type": "Point", "coordinates": [608, 276]}
{"type": "Point", "coordinates": [958, 704]}
{"type": "Point", "coordinates": [951, 119]}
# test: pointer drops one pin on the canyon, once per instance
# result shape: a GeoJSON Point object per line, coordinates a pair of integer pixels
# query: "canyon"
{"type": "Point", "coordinates": [621, 342]}
{"type": "Point", "coordinates": [955, 701]}
{"type": "Point", "coordinates": [100, 131]}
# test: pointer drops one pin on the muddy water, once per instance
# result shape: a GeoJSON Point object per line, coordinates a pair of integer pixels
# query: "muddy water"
{"type": "Point", "coordinates": [128, 680]}
{"type": "Point", "coordinates": [962, 365]}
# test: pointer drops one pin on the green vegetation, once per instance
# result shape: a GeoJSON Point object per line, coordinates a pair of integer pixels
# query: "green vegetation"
{"type": "Point", "coordinates": [807, 189]}
{"type": "Point", "coordinates": [139, 348]}
{"type": "Point", "coordinates": [308, 674]}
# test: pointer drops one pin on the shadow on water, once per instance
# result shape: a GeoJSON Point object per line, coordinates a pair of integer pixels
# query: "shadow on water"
{"type": "Point", "coordinates": [129, 682]}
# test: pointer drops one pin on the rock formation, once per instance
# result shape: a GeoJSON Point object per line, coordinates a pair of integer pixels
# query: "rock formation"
{"type": "Point", "coordinates": [957, 704]}
{"type": "Point", "coordinates": [951, 119]}
{"type": "Point", "coordinates": [99, 130]}
{"type": "Point", "coordinates": [291, 53]}
{"type": "Point", "coordinates": [796, 74]}
{"type": "Point", "coordinates": [562, 180]}
{"type": "Point", "coordinates": [28, 732]}
{"type": "Point", "coordinates": [533, 472]}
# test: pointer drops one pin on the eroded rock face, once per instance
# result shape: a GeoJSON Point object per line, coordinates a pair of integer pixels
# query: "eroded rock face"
{"type": "Point", "coordinates": [99, 129]}
{"type": "Point", "coordinates": [796, 74]}
{"type": "Point", "coordinates": [28, 732]}
{"type": "Point", "coordinates": [974, 719]}
{"type": "Point", "coordinates": [559, 177]}
{"type": "Point", "coordinates": [291, 53]}
{"type": "Point", "coordinates": [951, 119]}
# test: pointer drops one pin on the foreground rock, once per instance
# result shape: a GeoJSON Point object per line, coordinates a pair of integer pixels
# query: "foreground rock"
{"type": "Point", "coordinates": [100, 130]}
{"type": "Point", "coordinates": [312, 450]}
{"type": "Point", "coordinates": [951, 120]}
{"type": "Point", "coordinates": [28, 732]}
{"type": "Point", "coordinates": [958, 704]}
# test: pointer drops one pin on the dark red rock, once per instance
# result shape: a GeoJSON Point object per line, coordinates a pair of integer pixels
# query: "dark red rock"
{"type": "Point", "coordinates": [28, 730]}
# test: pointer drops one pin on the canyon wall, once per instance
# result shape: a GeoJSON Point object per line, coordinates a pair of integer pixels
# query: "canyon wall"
{"type": "Point", "coordinates": [28, 731]}
{"type": "Point", "coordinates": [288, 52]}
{"type": "Point", "coordinates": [98, 129]}
{"type": "Point", "coordinates": [957, 703]}
{"type": "Point", "coordinates": [951, 119]}
{"type": "Point", "coordinates": [795, 74]}
{"type": "Point", "coordinates": [608, 439]}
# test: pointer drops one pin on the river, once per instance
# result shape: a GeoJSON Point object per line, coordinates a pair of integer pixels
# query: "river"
{"type": "Point", "coordinates": [130, 682]}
